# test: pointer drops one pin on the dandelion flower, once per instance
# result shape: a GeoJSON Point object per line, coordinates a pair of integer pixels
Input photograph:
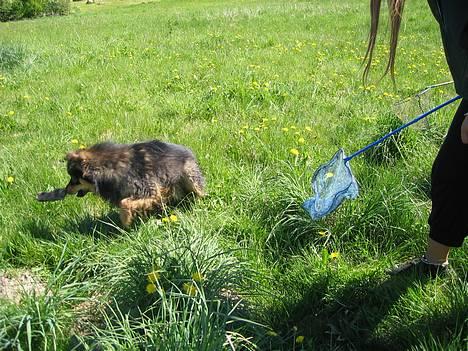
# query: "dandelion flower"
{"type": "Point", "coordinates": [74, 141]}
{"type": "Point", "coordinates": [165, 220]}
{"type": "Point", "coordinates": [334, 255]}
{"type": "Point", "coordinates": [301, 140]}
{"type": "Point", "coordinates": [294, 151]}
{"type": "Point", "coordinates": [10, 179]}
{"type": "Point", "coordinates": [189, 289]}
{"type": "Point", "coordinates": [299, 339]}
{"type": "Point", "coordinates": [198, 277]}
{"type": "Point", "coordinates": [173, 218]}
{"type": "Point", "coordinates": [153, 276]}
{"type": "Point", "coordinates": [11, 113]}
{"type": "Point", "coordinates": [82, 146]}
{"type": "Point", "coordinates": [151, 288]}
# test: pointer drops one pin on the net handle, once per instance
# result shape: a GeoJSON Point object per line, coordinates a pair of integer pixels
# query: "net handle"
{"type": "Point", "coordinates": [393, 132]}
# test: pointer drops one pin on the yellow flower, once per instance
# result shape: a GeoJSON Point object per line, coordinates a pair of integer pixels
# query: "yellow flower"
{"type": "Point", "coordinates": [301, 140]}
{"type": "Point", "coordinates": [74, 141]}
{"type": "Point", "coordinates": [189, 289]}
{"type": "Point", "coordinates": [165, 220]}
{"type": "Point", "coordinates": [299, 339]}
{"type": "Point", "coordinates": [323, 233]}
{"type": "Point", "coordinates": [198, 277]}
{"type": "Point", "coordinates": [153, 276]}
{"type": "Point", "coordinates": [334, 255]}
{"type": "Point", "coordinates": [11, 113]}
{"type": "Point", "coordinates": [10, 179]}
{"type": "Point", "coordinates": [294, 151]}
{"type": "Point", "coordinates": [173, 218]}
{"type": "Point", "coordinates": [151, 288]}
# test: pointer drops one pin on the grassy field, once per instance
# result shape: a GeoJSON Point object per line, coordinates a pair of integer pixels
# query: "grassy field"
{"type": "Point", "coordinates": [263, 92]}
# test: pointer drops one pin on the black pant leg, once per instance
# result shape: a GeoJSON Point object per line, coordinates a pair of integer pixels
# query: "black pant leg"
{"type": "Point", "coordinates": [449, 186]}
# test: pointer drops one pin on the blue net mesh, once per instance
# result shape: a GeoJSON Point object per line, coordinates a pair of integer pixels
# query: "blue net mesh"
{"type": "Point", "coordinates": [332, 183]}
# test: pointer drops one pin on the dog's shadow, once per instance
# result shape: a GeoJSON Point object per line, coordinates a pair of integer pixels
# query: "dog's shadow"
{"type": "Point", "coordinates": [109, 225]}
{"type": "Point", "coordinates": [105, 226]}
{"type": "Point", "coordinates": [101, 227]}
{"type": "Point", "coordinates": [39, 230]}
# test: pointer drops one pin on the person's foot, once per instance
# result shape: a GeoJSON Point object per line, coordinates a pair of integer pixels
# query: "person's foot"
{"type": "Point", "coordinates": [422, 267]}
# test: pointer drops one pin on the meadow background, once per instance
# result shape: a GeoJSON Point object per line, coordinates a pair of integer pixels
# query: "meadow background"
{"type": "Point", "coordinates": [263, 92]}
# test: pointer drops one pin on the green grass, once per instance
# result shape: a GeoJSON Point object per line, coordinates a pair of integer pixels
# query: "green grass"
{"type": "Point", "coordinates": [240, 83]}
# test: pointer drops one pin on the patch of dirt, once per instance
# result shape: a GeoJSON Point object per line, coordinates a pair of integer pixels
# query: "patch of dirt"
{"type": "Point", "coordinates": [88, 314]}
{"type": "Point", "coordinates": [13, 285]}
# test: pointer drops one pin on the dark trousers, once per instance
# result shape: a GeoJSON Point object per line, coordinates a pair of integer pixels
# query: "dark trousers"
{"type": "Point", "coordinates": [449, 192]}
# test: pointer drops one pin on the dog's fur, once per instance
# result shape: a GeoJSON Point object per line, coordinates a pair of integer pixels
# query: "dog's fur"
{"type": "Point", "coordinates": [138, 178]}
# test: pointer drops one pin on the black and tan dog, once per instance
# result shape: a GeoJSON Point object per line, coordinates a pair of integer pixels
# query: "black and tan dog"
{"type": "Point", "coordinates": [139, 178]}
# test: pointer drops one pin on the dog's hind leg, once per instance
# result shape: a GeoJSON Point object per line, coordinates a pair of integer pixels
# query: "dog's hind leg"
{"type": "Point", "coordinates": [195, 183]}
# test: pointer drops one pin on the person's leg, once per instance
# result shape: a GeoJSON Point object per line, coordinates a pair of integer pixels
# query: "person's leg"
{"type": "Point", "coordinates": [436, 253]}
{"type": "Point", "coordinates": [449, 193]}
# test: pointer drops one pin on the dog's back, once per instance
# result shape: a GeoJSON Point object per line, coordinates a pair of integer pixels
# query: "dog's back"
{"type": "Point", "coordinates": [144, 170]}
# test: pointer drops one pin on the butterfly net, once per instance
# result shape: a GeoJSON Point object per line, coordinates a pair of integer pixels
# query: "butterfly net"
{"type": "Point", "coordinates": [332, 183]}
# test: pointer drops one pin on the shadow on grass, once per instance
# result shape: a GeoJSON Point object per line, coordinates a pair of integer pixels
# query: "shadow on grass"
{"type": "Point", "coordinates": [109, 225]}
{"type": "Point", "coordinates": [39, 230]}
{"type": "Point", "coordinates": [99, 227]}
{"type": "Point", "coordinates": [348, 317]}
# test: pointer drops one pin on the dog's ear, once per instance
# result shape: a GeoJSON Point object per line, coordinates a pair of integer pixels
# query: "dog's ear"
{"type": "Point", "coordinates": [73, 156]}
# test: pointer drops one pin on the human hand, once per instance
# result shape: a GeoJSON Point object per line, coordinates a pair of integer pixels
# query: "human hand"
{"type": "Point", "coordinates": [464, 130]}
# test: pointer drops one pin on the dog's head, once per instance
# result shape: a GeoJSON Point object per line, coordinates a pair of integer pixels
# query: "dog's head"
{"type": "Point", "coordinates": [81, 180]}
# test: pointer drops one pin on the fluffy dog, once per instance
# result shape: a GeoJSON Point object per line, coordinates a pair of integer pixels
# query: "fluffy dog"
{"type": "Point", "coordinates": [139, 178]}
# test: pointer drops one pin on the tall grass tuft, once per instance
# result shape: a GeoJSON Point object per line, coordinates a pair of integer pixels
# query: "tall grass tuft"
{"type": "Point", "coordinates": [11, 56]}
{"type": "Point", "coordinates": [179, 290]}
{"type": "Point", "coordinates": [42, 320]}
